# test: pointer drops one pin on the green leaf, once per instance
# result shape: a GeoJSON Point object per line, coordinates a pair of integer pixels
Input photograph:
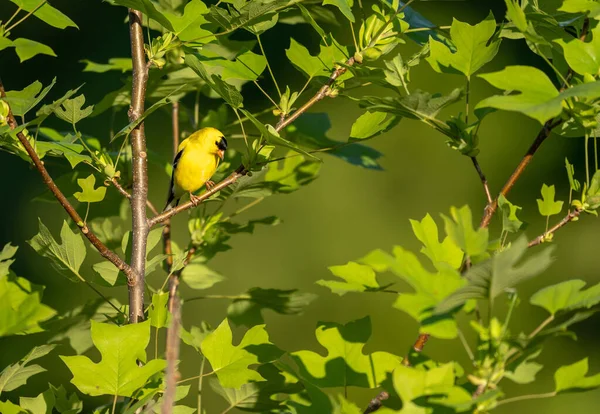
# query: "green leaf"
{"type": "Point", "coordinates": [66, 404]}
{"type": "Point", "coordinates": [538, 97]}
{"type": "Point", "coordinates": [65, 148]}
{"type": "Point", "coordinates": [357, 278]}
{"type": "Point", "coordinates": [16, 375]}
{"type": "Point", "coordinates": [121, 64]}
{"type": "Point", "coordinates": [547, 206]}
{"type": "Point", "coordinates": [566, 296]}
{"type": "Point", "coordinates": [581, 6]}
{"type": "Point", "coordinates": [23, 101]}
{"type": "Point", "coordinates": [260, 397]}
{"type": "Point", "coordinates": [6, 258]}
{"type": "Point", "coordinates": [573, 183]}
{"type": "Point", "coordinates": [148, 9]}
{"type": "Point", "coordinates": [89, 193]}
{"type": "Point", "coordinates": [369, 125]}
{"type": "Point", "coordinates": [311, 20]}
{"type": "Point", "coordinates": [188, 26]}
{"type": "Point", "coordinates": [66, 257]}
{"type": "Point", "coordinates": [198, 276]}
{"type": "Point", "coordinates": [510, 221]}
{"type": "Point", "coordinates": [506, 269]}
{"type": "Point", "coordinates": [345, 7]}
{"type": "Point", "coordinates": [474, 48]}
{"type": "Point", "coordinates": [6, 407]}
{"type": "Point", "coordinates": [247, 66]}
{"type": "Point", "coordinates": [303, 60]}
{"type": "Point", "coordinates": [441, 254]}
{"type": "Point", "coordinates": [592, 195]}
{"type": "Point", "coordinates": [247, 310]}
{"type": "Point", "coordinates": [26, 49]}
{"type": "Point", "coordinates": [231, 363]}
{"type": "Point", "coordinates": [229, 94]}
{"type": "Point", "coordinates": [273, 137]}
{"type": "Point", "coordinates": [515, 14]}
{"type": "Point", "coordinates": [459, 227]}
{"type": "Point", "coordinates": [345, 364]}
{"type": "Point", "coordinates": [46, 13]}
{"type": "Point", "coordinates": [21, 310]}
{"type": "Point", "coordinates": [196, 335]}
{"type": "Point", "coordinates": [583, 57]}
{"type": "Point", "coordinates": [571, 378]}
{"type": "Point", "coordinates": [118, 372]}
{"type": "Point", "coordinates": [158, 312]}
{"type": "Point", "coordinates": [72, 110]}
{"type": "Point", "coordinates": [42, 404]}
{"type": "Point", "coordinates": [525, 370]}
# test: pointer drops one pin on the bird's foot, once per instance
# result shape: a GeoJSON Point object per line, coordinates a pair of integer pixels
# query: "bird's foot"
{"type": "Point", "coordinates": [195, 200]}
{"type": "Point", "coordinates": [209, 185]}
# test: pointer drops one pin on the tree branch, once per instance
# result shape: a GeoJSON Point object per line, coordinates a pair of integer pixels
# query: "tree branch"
{"type": "Point", "coordinates": [483, 179]}
{"type": "Point", "coordinates": [543, 237]}
{"type": "Point", "coordinates": [60, 197]}
{"type": "Point", "coordinates": [125, 194]}
{"type": "Point", "coordinates": [376, 403]}
{"type": "Point", "coordinates": [323, 92]}
{"type": "Point", "coordinates": [172, 375]}
{"type": "Point", "coordinates": [139, 194]}
{"type": "Point", "coordinates": [539, 140]}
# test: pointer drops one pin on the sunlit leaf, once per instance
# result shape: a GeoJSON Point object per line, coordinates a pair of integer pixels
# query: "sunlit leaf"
{"type": "Point", "coordinates": [23, 101]}
{"type": "Point", "coordinates": [345, 7]}
{"type": "Point", "coordinates": [148, 9]}
{"type": "Point", "coordinates": [581, 6]}
{"type": "Point", "coordinates": [199, 276]}
{"type": "Point", "coordinates": [188, 26]}
{"type": "Point", "coordinates": [89, 193]}
{"type": "Point", "coordinates": [345, 364]}
{"type": "Point", "coordinates": [510, 221]}
{"type": "Point", "coordinates": [356, 278]}
{"type": "Point", "coordinates": [459, 227]}
{"type": "Point", "coordinates": [230, 362]}
{"type": "Point", "coordinates": [571, 378]}
{"type": "Point", "coordinates": [72, 110]}
{"type": "Point", "coordinates": [121, 64]}
{"type": "Point", "coordinates": [547, 206]}
{"type": "Point", "coordinates": [441, 254]}
{"type": "Point", "coordinates": [46, 13]}
{"type": "Point", "coordinates": [117, 373]}
{"type": "Point", "coordinates": [566, 296]}
{"type": "Point", "coordinates": [26, 49]}
{"type": "Point", "coordinates": [158, 313]}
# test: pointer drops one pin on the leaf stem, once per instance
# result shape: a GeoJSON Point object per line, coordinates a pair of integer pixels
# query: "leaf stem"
{"type": "Point", "coordinates": [262, 50]}
{"type": "Point", "coordinates": [525, 397]}
{"type": "Point", "coordinates": [465, 345]}
{"type": "Point", "coordinates": [483, 179]}
{"type": "Point", "coordinates": [587, 159]}
{"type": "Point", "coordinates": [195, 377]}
{"type": "Point", "coordinates": [114, 404]}
{"type": "Point", "coordinates": [244, 208]}
{"type": "Point", "coordinates": [541, 326]}
{"type": "Point", "coordinates": [266, 94]}
{"type": "Point", "coordinates": [24, 17]}
{"type": "Point", "coordinates": [10, 19]}
{"type": "Point", "coordinates": [200, 381]}
{"type": "Point", "coordinates": [233, 297]}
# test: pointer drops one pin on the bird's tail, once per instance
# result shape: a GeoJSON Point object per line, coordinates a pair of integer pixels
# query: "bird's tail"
{"type": "Point", "coordinates": [171, 202]}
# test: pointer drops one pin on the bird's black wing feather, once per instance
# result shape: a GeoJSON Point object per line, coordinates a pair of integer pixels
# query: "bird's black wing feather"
{"type": "Point", "coordinates": [172, 185]}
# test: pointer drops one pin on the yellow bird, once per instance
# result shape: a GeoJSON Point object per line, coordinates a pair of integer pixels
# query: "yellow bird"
{"type": "Point", "coordinates": [196, 161]}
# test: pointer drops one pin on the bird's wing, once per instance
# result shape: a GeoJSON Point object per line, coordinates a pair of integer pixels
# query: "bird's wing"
{"type": "Point", "coordinates": [171, 197]}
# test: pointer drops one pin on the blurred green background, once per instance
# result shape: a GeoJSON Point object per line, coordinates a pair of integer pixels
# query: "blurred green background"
{"type": "Point", "coordinates": [344, 214]}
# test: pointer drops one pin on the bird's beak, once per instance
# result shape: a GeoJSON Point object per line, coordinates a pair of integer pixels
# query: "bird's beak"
{"type": "Point", "coordinates": [221, 154]}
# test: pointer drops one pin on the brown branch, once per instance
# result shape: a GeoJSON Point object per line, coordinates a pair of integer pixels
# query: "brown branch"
{"type": "Point", "coordinates": [139, 195]}
{"type": "Point", "coordinates": [483, 179]}
{"type": "Point", "coordinates": [567, 219]}
{"type": "Point", "coordinates": [172, 354]}
{"type": "Point", "coordinates": [539, 140]}
{"type": "Point", "coordinates": [417, 347]}
{"type": "Point", "coordinates": [125, 194]}
{"type": "Point", "coordinates": [376, 403]}
{"type": "Point", "coordinates": [323, 92]}
{"type": "Point", "coordinates": [60, 197]}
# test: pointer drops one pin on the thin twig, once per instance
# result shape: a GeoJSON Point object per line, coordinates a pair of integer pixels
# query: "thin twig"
{"type": "Point", "coordinates": [125, 194]}
{"type": "Point", "coordinates": [241, 171]}
{"type": "Point", "coordinates": [543, 237]}
{"type": "Point", "coordinates": [483, 179]}
{"type": "Point", "coordinates": [87, 232]}
{"type": "Point", "coordinates": [417, 347]}
{"type": "Point", "coordinates": [376, 403]}
{"type": "Point", "coordinates": [139, 155]}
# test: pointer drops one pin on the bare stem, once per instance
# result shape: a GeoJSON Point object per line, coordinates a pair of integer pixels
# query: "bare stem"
{"type": "Point", "coordinates": [139, 195]}
{"type": "Point", "coordinates": [417, 347]}
{"type": "Point", "coordinates": [60, 197]}
{"type": "Point", "coordinates": [376, 403]}
{"type": "Point", "coordinates": [567, 219]}
{"type": "Point", "coordinates": [172, 353]}
{"type": "Point", "coordinates": [486, 188]}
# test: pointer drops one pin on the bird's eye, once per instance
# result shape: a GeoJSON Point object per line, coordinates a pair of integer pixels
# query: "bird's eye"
{"type": "Point", "coordinates": [221, 144]}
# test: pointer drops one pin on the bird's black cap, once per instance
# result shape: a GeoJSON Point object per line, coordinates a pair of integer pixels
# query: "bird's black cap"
{"type": "Point", "coordinates": [222, 144]}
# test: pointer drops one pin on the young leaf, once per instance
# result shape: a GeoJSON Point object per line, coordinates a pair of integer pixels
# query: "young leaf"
{"type": "Point", "coordinates": [515, 14]}
{"type": "Point", "coordinates": [459, 227]}
{"type": "Point", "coordinates": [547, 206]}
{"type": "Point", "coordinates": [538, 97]}
{"type": "Point", "coordinates": [247, 66]}
{"type": "Point", "coordinates": [65, 148]}
{"type": "Point", "coordinates": [198, 276]}
{"type": "Point", "coordinates": [66, 257]}
{"type": "Point", "coordinates": [345, 364]}
{"type": "Point", "coordinates": [489, 279]}
{"type": "Point", "coordinates": [121, 64]}
{"type": "Point", "coordinates": [303, 60]}
{"type": "Point", "coordinates": [369, 125]}
{"type": "Point", "coordinates": [224, 90]}
{"type": "Point", "coordinates": [248, 310]}
{"type": "Point", "coordinates": [510, 221]}
{"type": "Point", "coordinates": [188, 26]}
{"type": "Point", "coordinates": [581, 6]}
{"type": "Point", "coordinates": [573, 183]}
{"type": "Point", "coordinates": [89, 193]}
{"type": "Point", "coordinates": [72, 110]}
{"type": "Point", "coordinates": [23, 101]}
{"type": "Point", "coordinates": [571, 378]}
{"type": "Point", "coordinates": [441, 254]}
{"type": "Point", "coordinates": [473, 48]}
{"type": "Point", "coordinates": [345, 7]}
{"type": "Point", "coordinates": [42, 404]}
{"type": "Point", "coordinates": [158, 313]}
{"type": "Point", "coordinates": [525, 370]}
{"type": "Point", "coordinates": [16, 375]}
{"type": "Point", "coordinates": [26, 49]}
{"type": "Point", "coordinates": [583, 57]}
{"type": "Point", "coordinates": [46, 13]}
{"type": "Point", "coordinates": [117, 373]}
{"type": "Point", "coordinates": [231, 362]}
{"type": "Point", "coordinates": [566, 296]}
{"type": "Point", "coordinates": [148, 9]}
{"type": "Point", "coordinates": [357, 278]}
{"type": "Point", "coordinates": [311, 20]}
